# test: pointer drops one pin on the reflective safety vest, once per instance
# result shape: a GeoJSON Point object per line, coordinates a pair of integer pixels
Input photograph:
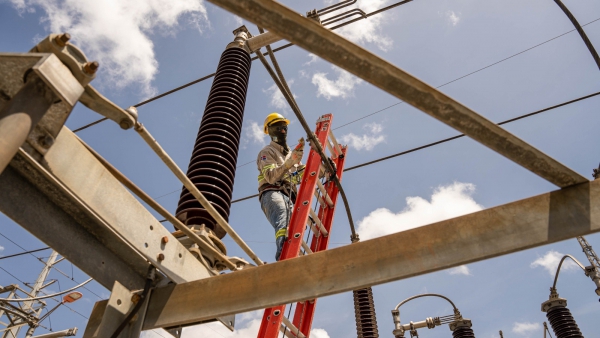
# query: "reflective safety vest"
{"type": "Point", "coordinates": [272, 175]}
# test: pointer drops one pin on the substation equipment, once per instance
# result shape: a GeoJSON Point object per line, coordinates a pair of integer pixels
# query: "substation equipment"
{"type": "Point", "coordinates": [459, 326]}
{"type": "Point", "coordinates": [561, 320]}
{"type": "Point", "coordinates": [68, 196]}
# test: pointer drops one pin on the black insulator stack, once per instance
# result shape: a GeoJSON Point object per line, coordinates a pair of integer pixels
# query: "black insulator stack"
{"type": "Point", "coordinates": [562, 323]}
{"type": "Point", "coordinates": [364, 309]}
{"type": "Point", "coordinates": [213, 161]}
{"type": "Point", "coordinates": [463, 332]}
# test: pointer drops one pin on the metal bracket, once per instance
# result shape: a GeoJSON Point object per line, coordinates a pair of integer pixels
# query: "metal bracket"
{"type": "Point", "coordinates": [84, 71]}
{"type": "Point", "coordinates": [109, 314]}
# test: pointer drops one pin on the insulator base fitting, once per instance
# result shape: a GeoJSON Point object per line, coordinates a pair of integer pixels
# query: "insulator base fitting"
{"type": "Point", "coordinates": [462, 328]}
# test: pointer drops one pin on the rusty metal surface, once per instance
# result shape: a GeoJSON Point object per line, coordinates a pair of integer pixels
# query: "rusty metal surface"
{"type": "Point", "coordinates": [13, 70]}
{"type": "Point", "coordinates": [121, 213]}
{"type": "Point", "coordinates": [213, 162]}
{"type": "Point", "coordinates": [57, 223]}
{"type": "Point", "coordinates": [322, 42]}
{"type": "Point", "coordinates": [532, 222]}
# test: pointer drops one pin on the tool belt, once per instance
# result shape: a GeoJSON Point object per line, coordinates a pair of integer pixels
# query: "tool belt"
{"type": "Point", "coordinates": [286, 190]}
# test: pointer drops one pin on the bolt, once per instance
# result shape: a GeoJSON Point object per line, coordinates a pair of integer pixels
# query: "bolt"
{"type": "Point", "coordinates": [160, 257]}
{"type": "Point", "coordinates": [135, 298]}
{"type": "Point", "coordinates": [125, 124]}
{"type": "Point", "coordinates": [91, 67]}
{"type": "Point", "coordinates": [46, 141]}
{"type": "Point", "coordinates": [164, 240]}
{"type": "Point", "coordinates": [62, 39]}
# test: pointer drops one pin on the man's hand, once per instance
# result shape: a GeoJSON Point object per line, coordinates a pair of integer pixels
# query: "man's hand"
{"type": "Point", "coordinates": [295, 158]}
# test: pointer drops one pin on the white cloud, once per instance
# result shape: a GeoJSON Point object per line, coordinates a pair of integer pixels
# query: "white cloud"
{"type": "Point", "coordinates": [313, 59]}
{"type": "Point", "coordinates": [116, 32]}
{"type": "Point", "coordinates": [1, 248]}
{"type": "Point", "coordinates": [319, 333]}
{"type": "Point", "coordinates": [342, 87]}
{"type": "Point", "coordinates": [460, 270]}
{"type": "Point", "coordinates": [446, 202]}
{"type": "Point", "coordinates": [277, 99]}
{"type": "Point", "coordinates": [550, 262]}
{"type": "Point", "coordinates": [453, 17]}
{"type": "Point", "coordinates": [367, 30]}
{"type": "Point", "coordinates": [255, 133]}
{"type": "Point", "coordinates": [365, 141]}
{"type": "Point", "coordinates": [525, 328]}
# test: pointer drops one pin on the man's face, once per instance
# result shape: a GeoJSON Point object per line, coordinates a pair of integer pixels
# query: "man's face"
{"type": "Point", "coordinates": [278, 131]}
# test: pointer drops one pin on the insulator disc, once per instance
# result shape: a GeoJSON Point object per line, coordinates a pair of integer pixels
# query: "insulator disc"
{"type": "Point", "coordinates": [364, 309]}
{"type": "Point", "coordinates": [214, 158]}
{"type": "Point", "coordinates": [562, 323]}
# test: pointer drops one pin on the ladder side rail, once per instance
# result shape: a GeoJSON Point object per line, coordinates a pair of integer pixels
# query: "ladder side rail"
{"type": "Point", "coordinates": [271, 323]}
{"type": "Point", "coordinates": [305, 311]}
{"type": "Point", "coordinates": [302, 207]}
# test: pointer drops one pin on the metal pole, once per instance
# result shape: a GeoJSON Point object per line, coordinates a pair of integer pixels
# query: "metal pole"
{"type": "Point", "coordinates": [21, 114]}
{"type": "Point", "coordinates": [63, 333]}
{"type": "Point", "coordinates": [581, 32]}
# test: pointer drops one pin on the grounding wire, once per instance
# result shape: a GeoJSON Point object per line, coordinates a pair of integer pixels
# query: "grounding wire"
{"type": "Point", "coordinates": [254, 58]}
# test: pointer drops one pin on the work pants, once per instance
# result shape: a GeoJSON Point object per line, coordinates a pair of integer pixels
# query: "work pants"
{"type": "Point", "coordinates": [278, 208]}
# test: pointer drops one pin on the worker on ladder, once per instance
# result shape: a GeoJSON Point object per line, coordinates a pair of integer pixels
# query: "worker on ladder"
{"type": "Point", "coordinates": [279, 171]}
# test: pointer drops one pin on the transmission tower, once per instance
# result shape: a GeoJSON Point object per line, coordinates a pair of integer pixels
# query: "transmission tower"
{"type": "Point", "coordinates": [28, 312]}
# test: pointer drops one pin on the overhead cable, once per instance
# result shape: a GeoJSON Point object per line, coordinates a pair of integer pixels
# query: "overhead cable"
{"type": "Point", "coordinates": [447, 139]}
{"type": "Point", "coordinates": [254, 58]}
{"type": "Point", "coordinates": [45, 296]}
{"type": "Point", "coordinates": [22, 248]}
{"type": "Point", "coordinates": [24, 253]}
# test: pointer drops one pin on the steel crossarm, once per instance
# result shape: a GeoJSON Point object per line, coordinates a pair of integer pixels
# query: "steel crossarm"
{"type": "Point", "coordinates": [272, 317]}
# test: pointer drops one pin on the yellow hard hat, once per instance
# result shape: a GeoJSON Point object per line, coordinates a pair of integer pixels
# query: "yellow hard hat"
{"type": "Point", "coordinates": [272, 118]}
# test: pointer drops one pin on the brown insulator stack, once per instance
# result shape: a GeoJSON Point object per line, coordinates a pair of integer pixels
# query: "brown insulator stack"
{"type": "Point", "coordinates": [562, 322]}
{"type": "Point", "coordinates": [213, 161]}
{"type": "Point", "coordinates": [364, 309]}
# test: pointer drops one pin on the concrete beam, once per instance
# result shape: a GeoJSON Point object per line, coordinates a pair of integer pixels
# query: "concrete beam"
{"type": "Point", "coordinates": [316, 39]}
{"type": "Point", "coordinates": [535, 221]}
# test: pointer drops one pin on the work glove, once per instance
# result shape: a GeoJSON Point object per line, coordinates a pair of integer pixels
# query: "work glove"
{"type": "Point", "coordinates": [295, 158]}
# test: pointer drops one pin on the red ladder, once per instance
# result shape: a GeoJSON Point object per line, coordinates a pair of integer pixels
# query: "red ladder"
{"type": "Point", "coordinates": [274, 319]}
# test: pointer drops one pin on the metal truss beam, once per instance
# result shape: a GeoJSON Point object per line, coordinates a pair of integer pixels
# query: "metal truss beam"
{"type": "Point", "coordinates": [319, 40]}
{"type": "Point", "coordinates": [70, 201]}
{"type": "Point", "coordinates": [535, 221]}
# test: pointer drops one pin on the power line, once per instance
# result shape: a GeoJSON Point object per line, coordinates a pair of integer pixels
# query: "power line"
{"type": "Point", "coordinates": [447, 139]}
{"type": "Point", "coordinates": [24, 253]}
{"type": "Point", "coordinates": [461, 135]}
{"type": "Point", "coordinates": [39, 259]}
{"type": "Point", "coordinates": [401, 102]}
{"type": "Point", "coordinates": [254, 58]}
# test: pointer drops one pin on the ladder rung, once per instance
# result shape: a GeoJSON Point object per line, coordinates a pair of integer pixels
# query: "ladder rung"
{"type": "Point", "coordinates": [319, 199]}
{"type": "Point", "coordinates": [335, 143]}
{"type": "Point", "coordinates": [314, 229]}
{"type": "Point", "coordinates": [333, 152]}
{"type": "Point", "coordinates": [319, 224]}
{"type": "Point", "coordinates": [324, 193]}
{"type": "Point", "coordinates": [293, 330]}
{"type": "Point", "coordinates": [306, 247]}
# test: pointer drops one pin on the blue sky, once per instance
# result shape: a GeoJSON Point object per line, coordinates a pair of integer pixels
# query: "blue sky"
{"type": "Point", "coordinates": [148, 47]}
